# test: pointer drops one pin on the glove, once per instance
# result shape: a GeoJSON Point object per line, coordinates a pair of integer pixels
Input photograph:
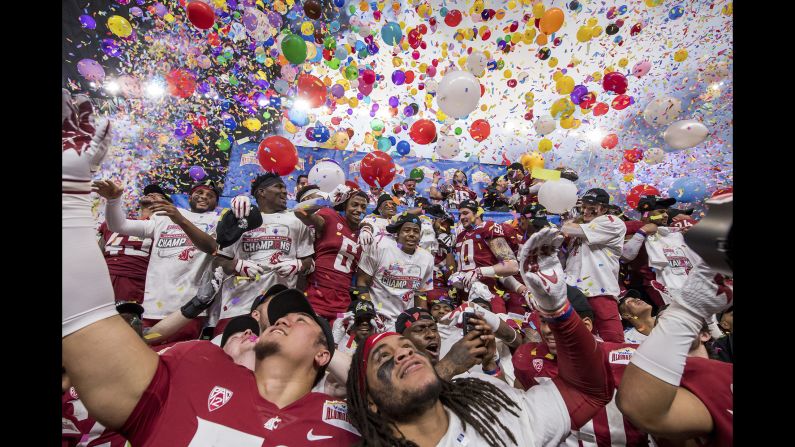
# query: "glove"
{"type": "Point", "coordinates": [541, 270]}
{"type": "Point", "coordinates": [488, 316]}
{"type": "Point", "coordinates": [204, 296]}
{"type": "Point", "coordinates": [241, 205]}
{"type": "Point", "coordinates": [218, 277]}
{"type": "Point", "coordinates": [247, 268]}
{"type": "Point", "coordinates": [704, 292]}
{"type": "Point", "coordinates": [480, 290]}
{"type": "Point", "coordinates": [83, 147]}
{"type": "Point", "coordinates": [340, 194]}
{"type": "Point", "coordinates": [291, 267]}
{"type": "Point", "coordinates": [714, 328]}
{"type": "Point", "coordinates": [365, 236]}
{"type": "Point", "coordinates": [341, 325]}
{"type": "Point", "coordinates": [470, 277]}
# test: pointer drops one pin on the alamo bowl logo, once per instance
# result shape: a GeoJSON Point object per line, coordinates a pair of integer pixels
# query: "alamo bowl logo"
{"type": "Point", "coordinates": [219, 396]}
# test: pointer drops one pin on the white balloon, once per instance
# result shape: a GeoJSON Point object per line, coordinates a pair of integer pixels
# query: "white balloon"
{"type": "Point", "coordinates": [545, 125]}
{"type": "Point", "coordinates": [685, 134]}
{"type": "Point", "coordinates": [431, 85]}
{"type": "Point", "coordinates": [715, 72]}
{"type": "Point", "coordinates": [476, 63]}
{"type": "Point", "coordinates": [653, 156]}
{"type": "Point", "coordinates": [662, 111]}
{"type": "Point", "coordinates": [447, 146]}
{"type": "Point", "coordinates": [558, 196]}
{"type": "Point", "coordinates": [326, 174]}
{"type": "Point", "coordinates": [458, 93]}
{"type": "Point", "coordinates": [364, 30]}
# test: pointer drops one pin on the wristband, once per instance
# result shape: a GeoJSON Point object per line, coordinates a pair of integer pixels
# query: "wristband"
{"type": "Point", "coordinates": [488, 272]}
{"type": "Point", "coordinates": [194, 307]}
{"type": "Point", "coordinates": [559, 315]}
{"type": "Point", "coordinates": [642, 233]}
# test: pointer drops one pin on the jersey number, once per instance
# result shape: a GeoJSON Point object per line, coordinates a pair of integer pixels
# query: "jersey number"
{"type": "Point", "coordinates": [466, 256]}
{"type": "Point", "coordinates": [345, 256]}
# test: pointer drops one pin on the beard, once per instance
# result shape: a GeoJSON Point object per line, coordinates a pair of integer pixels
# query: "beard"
{"type": "Point", "coordinates": [406, 406]}
{"type": "Point", "coordinates": [266, 349]}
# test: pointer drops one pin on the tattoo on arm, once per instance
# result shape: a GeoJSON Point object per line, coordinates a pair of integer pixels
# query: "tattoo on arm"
{"type": "Point", "coordinates": [499, 246]}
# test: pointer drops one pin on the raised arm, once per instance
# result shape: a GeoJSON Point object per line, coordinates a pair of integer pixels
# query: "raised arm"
{"type": "Point", "coordinates": [434, 191]}
{"type": "Point", "coordinates": [305, 212]}
{"type": "Point", "coordinates": [115, 216]}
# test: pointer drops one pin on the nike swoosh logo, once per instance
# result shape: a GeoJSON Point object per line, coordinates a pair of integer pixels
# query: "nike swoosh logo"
{"type": "Point", "coordinates": [553, 279]}
{"type": "Point", "coordinates": [311, 437]}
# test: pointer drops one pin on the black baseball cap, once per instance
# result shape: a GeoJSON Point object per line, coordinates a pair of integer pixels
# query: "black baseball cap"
{"type": "Point", "coordinates": [569, 174]}
{"type": "Point", "coordinates": [596, 195]}
{"type": "Point", "coordinates": [652, 203]}
{"type": "Point", "coordinates": [229, 230]}
{"type": "Point", "coordinates": [534, 210]}
{"type": "Point", "coordinates": [273, 290]}
{"type": "Point", "coordinates": [208, 184]}
{"type": "Point", "coordinates": [363, 309]}
{"type": "Point", "coordinates": [403, 218]}
{"type": "Point", "coordinates": [469, 204]}
{"type": "Point", "coordinates": [409, 316]}
{"type": "Point", "coordinates": [239, 324]}
{"type": "Point", "coordinates": [156, 189]}
{"type": "Point", "coordinates": [293, 300]}
{"type": "Point", "coordinates": [383, 198]}
{"type": "Point", "coordinates": [673, 212]}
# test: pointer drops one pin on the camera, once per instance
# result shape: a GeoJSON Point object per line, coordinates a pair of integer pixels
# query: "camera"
{"type": "Point", "coordinates": [712, 238]}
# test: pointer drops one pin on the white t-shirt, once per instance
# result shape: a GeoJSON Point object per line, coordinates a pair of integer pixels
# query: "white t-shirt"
{"type": "Point", "coordinates": [279, 233]}
{"type": "Point", "coordinates": [632, 335]}
{"type": "Point", "coordinates": [592, 265]}
{"type": "Point", "coordinates": [175, 264]}
{"type": "Point", "coordinates": [542, 418]}
{"type": "Point", "coordinates": [670, 257]}
{"type": "Point", "coordinates": [396, 276]}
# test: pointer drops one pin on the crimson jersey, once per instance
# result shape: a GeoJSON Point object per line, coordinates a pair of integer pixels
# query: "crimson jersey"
{"type": "Point", "coordinates": [80, 429]}
{"type": "Point", "coordinates": [125, 255]}
{"type": "Point", "coordinates": [711, 381]}
{"type": "Point", "coordinates": [460, 193]}
{"type": "Point", "coordinates": [533, 364]}
{"type": "Point", "coordinates": [472, 249]}
{"type": "Point", "coordinates": [200, 397]}
{"type": "Point", "coordinates": [336, 257]}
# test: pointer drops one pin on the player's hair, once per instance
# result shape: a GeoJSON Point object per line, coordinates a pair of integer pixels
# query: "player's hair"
{"type": "Point", "coordinates": [475, 401]}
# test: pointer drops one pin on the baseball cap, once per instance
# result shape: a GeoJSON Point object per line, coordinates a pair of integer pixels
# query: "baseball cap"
{"type": "Point", "coordinates": [596, 195]}
{"type": "Point", "coordinates": [383, 198]}
{"type": "Point", "coordinates": [534, 210]}
{"type": "Point", "coordinates": [363, 309]}
{"type": "Point", "coordinates": [207, 184]}
{"type": "Point", "coordinates": [516, 165]}
{"type": "Point", "coordinates": [273, 290]}
{"type": "Point", "coordinates": [568, 174]}
{"type": "Point", "coordinates": [156, 189]}
{"type": "Point", "coordinates": [293, 300]}
{"type": "Point", "coordinates": [652, 203]}
{"type": "Point", "coordinates": [469, 204]}
{"type": "Point", "coordinates": [409, 316]}
{"type": "Point", "coordinates": [229, 230]}
{"type": "Point", "coordinates": [239, 324]}
{"type": "Point", "coordinates": [673, 212]}
{"type": "Point", "coordinates": [403, 218]}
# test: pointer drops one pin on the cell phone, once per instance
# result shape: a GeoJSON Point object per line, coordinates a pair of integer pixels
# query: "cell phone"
{"type": "Point", "coordinates": [467, 325]}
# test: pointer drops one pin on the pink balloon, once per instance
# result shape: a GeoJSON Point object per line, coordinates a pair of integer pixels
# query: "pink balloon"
{"type": "Point", "coordinates": [365, 89]}
{"type": "Point", "coordinates": [641, 68]}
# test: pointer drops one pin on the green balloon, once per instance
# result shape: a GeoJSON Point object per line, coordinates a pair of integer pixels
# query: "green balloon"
{"type": "Point", "coordinates": [377, 125]}
{"type": "Point", "coordinates": [334, 63]}
{"type": "Point", "coordinates": [417, 174]}
{"type": "Point", "coordinates": [294, 49]}
{"type": "Point", "coordinates": [458, 131]}
{"type": "Point", "coordinates": [266, 115]}
{"type": "Point", "coordinates": [384, 144]}
{"type": "Point", "coordinates": [351, 72]}
{"type": "Point", "coordinates": [329, 43]}
{"type": "Point", "coordinates": [223, 144]}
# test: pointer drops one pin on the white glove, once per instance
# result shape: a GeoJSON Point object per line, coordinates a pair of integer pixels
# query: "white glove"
{"type": "Point", "coordinates": [488, 316]}
{"type": "Point", "coordinates": [714, 328]}
{"type": "Point", "coordinates": [541, 270]}
{"type": "Point", "coordinates": [207, 287]}
{"type": "Point", "coordinates": [340, 194]}
{"type": "Point", "coordinates": [340, 326]}
{"type": "Point", "coordinates": [83, 146]}
{"type": "Point", "coordinates": [248, 268]}
{"type": "Point", "coordinates": [287, 268]}
{"type": "Point", "coordinates": [480, 290]}
{"type": "Point", "coordinates": [471, 277]}
{"type": "Point", "coordinates": [365, 236]}
{"type": "Point", "coordinates": [704, 292]}
{"type": "Point", "coordinates": [99, 145]}
{"type": "Point", "coordinates": [241, 205]}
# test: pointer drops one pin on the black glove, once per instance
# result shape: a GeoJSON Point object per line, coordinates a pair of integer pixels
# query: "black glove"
{"type": "Point", "coordinates": [208, 289]}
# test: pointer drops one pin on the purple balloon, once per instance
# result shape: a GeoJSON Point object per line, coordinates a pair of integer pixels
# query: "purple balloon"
{"type": "Point", "coordinates": [375, 107]}
{"type": "Point", "coordinates": [408, 111]}
{"type": "Point", "coordinates": [86, 21]}
{"type": "Point", "coordinates": [577, 93]}
{"type": "Point", "coordinates": [91, 70]}
{"type": "Point", "coordinates": [310, 131]}
{"type": "Point", "coordinates": [197, 173]}
{"type": "Point", "coordinates": [110, 47]}
{"type": "Point", "coordinates": [365, 89]}
{"type": "Point", "coordinates": [136, 11]}
{"type": "Point", "coordinates": [398, 77]}
{"type": "Point", "coordinates": [182, 129]}
{"type": "Point", "coordinates": [250, 21]}
{"type": "Point", "coordinates": [337, 90]}
{"type": "Point", "coordinates": [160, 9]}
{"type": "Point", "coordinates": [275, 19]}
{"type": "Point", "coordinates": [393, 101]}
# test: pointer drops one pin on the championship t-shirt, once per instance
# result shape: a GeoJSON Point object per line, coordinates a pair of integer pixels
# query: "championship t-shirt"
{"type": "Point", "coordinates": [592, 265]}
{"type": "Point", "coordinates": [281, 237]}
{"type": "Point", "coordinates": [396, 276]}
{"type": "Point", "coordinates": [670, 257]}
{"type": "Point", "coordinates": [199, 397]}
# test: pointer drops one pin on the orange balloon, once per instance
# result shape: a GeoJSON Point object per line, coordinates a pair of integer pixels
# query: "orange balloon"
{"type": "Point", "coordinates": [551, 21]}
{"type": "Point", "coordinates": [541, 39]}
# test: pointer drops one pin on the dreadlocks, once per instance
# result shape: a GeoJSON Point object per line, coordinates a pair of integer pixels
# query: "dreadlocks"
{"type": "Point", "coordinates": [475, 401]}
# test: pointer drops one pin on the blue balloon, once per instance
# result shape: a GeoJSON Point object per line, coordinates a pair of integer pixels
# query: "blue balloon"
{"type": "Point", "coordinates": [392, 140]}
{"type": "Point", "coordinates": [403, 147]}
{"type": "Point", "coordinates": [688, 189]}
{"type": "Point", "coordinates": [299, 117]}
{"type": "Point", "coordinates": [226, 104]}
{"type": "Point", "coordinates": [676, 12]}
{"type": "Point", "coordinates": [339, 3]}
{"type": "Point", "coordinates": [230, 123]}
{"type": "Point", "coordinates": [391, 33]}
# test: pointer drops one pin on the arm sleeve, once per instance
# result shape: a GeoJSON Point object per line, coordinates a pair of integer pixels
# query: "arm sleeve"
{"type": "Point", "coordinates": [605, 230]}
{"type": "Point", "coordinates": [632, 247]}
{"type": "Point", "coordinates": [119, 224]}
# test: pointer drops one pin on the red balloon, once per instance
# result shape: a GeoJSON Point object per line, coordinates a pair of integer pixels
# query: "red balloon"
{"type": "Point", "coordinates": [277, 154]}
{"type": "Point", "coordinates": [626, 167]}
{"type": "Point", "coordinates": [201, 15]}
{"type": "Point", "coordinates": [312, 90]}
{"type": "Point", "coordinates": [587, 101]}
{"type": "Point", "coordinates": [351, 184]}
{"type": "Point", "coordinates": [377, 169]}
{"type": "Point", "coordinates": [181, 83]}
{"type": "Point", "coordinates": [634, 194]}
{"type": "Point", "coordinates": [368, 76]}
{"type": "Point", "coordinates": [615, 82]}
{"type": "Point", "coordinates": [633, 155]}
{"type": "Point", "coordinates": [621, 102]}
{"type": "Point", "coordinates": [453, 17]}
{"type": "Point", "coordinates": [480, 130]}
{"type": "Point", "coordinates": [600, 109]}
{"type": "Point", "coordinates": [422, 28]}
{"type": "Point", "coordinates": [610, 141]}
{"type": "Point", "coordinates": [422, 131]}
{"type": "Point", "coordinates": [409, 77]}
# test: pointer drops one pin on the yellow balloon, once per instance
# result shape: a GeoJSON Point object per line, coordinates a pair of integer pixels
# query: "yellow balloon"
{"type": "Point", "coordinates": [529, 96]}
{"type": "Point", "coordinates": [341, 140]}
{"type": "Point", "coordinates": [557, 75]}
{"type": "Point", "coordinates": [252, 124]}
{"type": "Point", "coordinates": [609, 69]}
{"type": "Point", "coordinates": [353, 102]}
{"type": "Point", "coordinates": [597, 76]}
{"type": "Point", "coordinates": [484, 107]}
{"type": "Point", "coordinates": [511, 4]}
{"type": "Point", "coordinates": [538, 10]}
{"type": "Point", "coordinates": [168, 18]}
{"type": "Point", "coordinates": [268, 62]}
{"type": "Point", "coordinates": [584, 34]}
{"type": "Point", "coordinates": [592, 22]}
{"type": "Point", "coordinates": [368, 138]}
{"type": "Point", "coordinates": [544, 145]}
{"type": "Point", "coordinates": [507, 74]}
{"type": "Point", "coordinates": [529, 34]}
{"type": "Point", "coordinates": [516, 38]}
{"type": "Point", "coordinates": [119, 26]}
{"type": "Point", "coordinates": [423, 67]}
{"type": "Point", "coordinates": [500, 14]}
{"type": "Point", "coordinates": [219, 3]}
{"type": "Point", "coordinates": [567, 123]}
{"type": "Point", "coordinates": [576, 124]}
{"type": "Point", "coordinates": [562, 108]}
{"type": "Point", "coordinates": [596, 31]}
{"type": "Point", "coordinates": [680, 55]}
{"type": "Point", "coordinates": [307, 28]}
{"type": "Point", "coordinates": [530, 104]}
{"type": "Point", "coordinates": [462, 61]}
{"type": "Point", "coordinates": [413, 91]}
{"type": "Point", "coordinates": [629, 177]}
{"type": "Point", "coordinates": [565, 85]}
{"type": "Point", "coordinates": [290, 127]}
{"type": "Point", "coordinates": [552, 62]}
{"type": "Point", "coordinates": [311, 51]}
{"type": "Point", "coordinates": [397, 62]}
{"type": "Point", "coordinates": [727, 9]}
{"type": "Point", "coordinates": [623, 62]}
{"type": "Point", "coordinates": [440, 116]}
{"type": "Point", "coordinates": [536, 160]}
{"type": "Point", "coordinates": [653, 3]}
{"type": "Point", "coordinates": [525, 160]}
